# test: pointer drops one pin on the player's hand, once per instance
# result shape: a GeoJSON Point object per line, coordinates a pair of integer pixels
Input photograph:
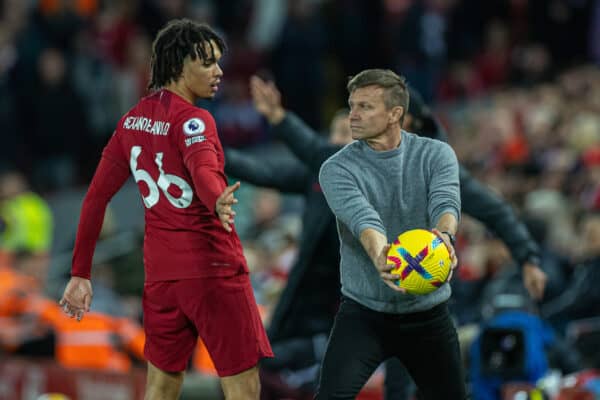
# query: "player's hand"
{"type": "Point", "coordinates": [77, 298]}
{"type": "Point", "coordinates": [224, 205]}
{"type": "Point", "coordinates": [384, 268]}
{"type": "Point", "coordinates": [534, 280]}
{"type": "Point", "coordinates": [267, 100]}
{"type": "Point", "coordinates": [453, 258]}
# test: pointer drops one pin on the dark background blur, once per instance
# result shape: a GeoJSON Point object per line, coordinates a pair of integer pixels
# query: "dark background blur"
{"type": "Point", "coordinates": [70, 68]}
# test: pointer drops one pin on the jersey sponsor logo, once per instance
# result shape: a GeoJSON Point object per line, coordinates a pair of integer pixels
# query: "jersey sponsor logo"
{"type": "Point", "coordinates": [195, 139]}
{"type": "Point", "coordinates": [193, 126]}
{"type": "Point", "coordinates": [147, 125]}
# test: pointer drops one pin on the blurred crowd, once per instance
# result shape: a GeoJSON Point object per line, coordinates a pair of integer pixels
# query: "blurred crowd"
{"type": "Point", "coordinates": [70, 68]}
{"type": "Point", "coordinates": [515, 82]}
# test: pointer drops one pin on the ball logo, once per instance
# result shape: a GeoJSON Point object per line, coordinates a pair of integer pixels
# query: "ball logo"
{"type": "Point", "coordinates": [194, 126]}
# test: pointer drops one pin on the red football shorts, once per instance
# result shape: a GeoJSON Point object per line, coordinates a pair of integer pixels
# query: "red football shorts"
{"type": "Point", "coordinates": [222, 311]}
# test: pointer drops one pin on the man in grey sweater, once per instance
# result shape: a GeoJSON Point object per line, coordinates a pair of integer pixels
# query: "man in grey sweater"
{"type": "Point", "coordinates": [386, 182]}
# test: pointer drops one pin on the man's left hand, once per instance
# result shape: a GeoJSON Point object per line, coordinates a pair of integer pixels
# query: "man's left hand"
{"type": "Point", "coordinates": [453, 258]}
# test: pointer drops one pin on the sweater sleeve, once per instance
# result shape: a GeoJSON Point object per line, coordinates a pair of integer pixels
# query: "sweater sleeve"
{"type": "Point", "coordinates": [306, 144]}
{"type": "Point", "coordinates": [346, 200]}
{"type": "Point", "coordinates": [284, 174]}
{"type": "Point", "coordinates": [444, 186]}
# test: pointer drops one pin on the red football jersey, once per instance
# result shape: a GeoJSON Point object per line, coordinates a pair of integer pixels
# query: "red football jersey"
{"type": "Point", "coordinates": [172, 149]}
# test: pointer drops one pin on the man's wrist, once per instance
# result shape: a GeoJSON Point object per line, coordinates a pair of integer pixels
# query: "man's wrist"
{"type": "Point", "coordinates": [276, 116]}
{"type": "Point", "coordinates": [532, 259]}
{"type": "Point", "coordinates": [451, 237]}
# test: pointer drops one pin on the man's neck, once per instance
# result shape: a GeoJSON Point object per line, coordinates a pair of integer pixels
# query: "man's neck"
{"type": "Point", "coordinates": [179, 89]}
{"type": "Point", "coordinates": [388, 140]}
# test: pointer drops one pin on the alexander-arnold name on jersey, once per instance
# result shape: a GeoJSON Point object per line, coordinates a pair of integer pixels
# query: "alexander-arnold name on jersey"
{"type": "Point", "coordinates": [144, 124]}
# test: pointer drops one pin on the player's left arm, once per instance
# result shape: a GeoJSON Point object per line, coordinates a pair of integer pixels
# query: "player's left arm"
{"type": "Point", "coordinates": [197, 140]}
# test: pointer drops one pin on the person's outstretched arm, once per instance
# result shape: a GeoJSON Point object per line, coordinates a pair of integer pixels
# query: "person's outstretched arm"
{"type": "Point", "coordinates": [499, 217]}
{"type": "Point", "coordinates": [306, 144]}
{"type": "Point", "coordinates": [285, 175]}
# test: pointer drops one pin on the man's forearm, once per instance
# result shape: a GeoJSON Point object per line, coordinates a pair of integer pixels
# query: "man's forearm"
{"type": "Point", "coordinates": [372, 241]}
{"type": "Point", "coordinates": [447, 223]}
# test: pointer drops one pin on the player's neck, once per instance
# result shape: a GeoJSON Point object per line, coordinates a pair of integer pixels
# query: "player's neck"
{"type": "Point", "coordinates": [179, 89]}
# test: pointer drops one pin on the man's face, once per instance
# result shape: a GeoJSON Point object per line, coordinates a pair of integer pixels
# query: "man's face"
{"type": "Point", "coordinates": [202, 77]}
{"type": "Point", "coordinates": [340, 130]}
{"type": "Point", "coordinates": [369, 116]}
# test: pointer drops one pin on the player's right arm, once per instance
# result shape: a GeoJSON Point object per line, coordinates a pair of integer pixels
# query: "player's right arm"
{"type": "Point", "coordinates": [110, 175]}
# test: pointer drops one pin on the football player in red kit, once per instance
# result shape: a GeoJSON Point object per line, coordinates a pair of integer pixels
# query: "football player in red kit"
{"type": "Point", "coordinates": [196, 281]}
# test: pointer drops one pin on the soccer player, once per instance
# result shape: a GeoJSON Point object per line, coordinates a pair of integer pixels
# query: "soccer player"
{"type": "Point", "coordinates": [196, 281]}
{"type": "Point", "coordinates": [386, 182]}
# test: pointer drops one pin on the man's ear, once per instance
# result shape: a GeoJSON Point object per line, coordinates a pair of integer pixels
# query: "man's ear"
{"type": "Point", "coordinates": [396, 114]}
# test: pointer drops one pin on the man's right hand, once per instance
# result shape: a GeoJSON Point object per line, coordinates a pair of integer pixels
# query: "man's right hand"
{"type": "Point", "coordinates": [385, 268]}
{"type": "Point", "coordinates": [267, 100]}
{"type": "Point", "coordinates": [377, 248]}
{"type": "Point", "coordinates": [224, 204]}
{"type": "Point", "coordinates": [77, 298]}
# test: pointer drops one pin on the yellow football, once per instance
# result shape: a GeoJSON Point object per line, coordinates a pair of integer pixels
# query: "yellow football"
{"type": "Point", "coordinates": [421, 259]}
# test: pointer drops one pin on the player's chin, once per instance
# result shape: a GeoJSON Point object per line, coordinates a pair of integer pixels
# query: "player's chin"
{"type": "Point", "coordinates": [208, 94]}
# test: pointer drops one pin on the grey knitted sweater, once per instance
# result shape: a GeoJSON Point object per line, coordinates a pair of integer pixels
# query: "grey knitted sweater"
{"type": "Point", "coordinates": [392, 191]}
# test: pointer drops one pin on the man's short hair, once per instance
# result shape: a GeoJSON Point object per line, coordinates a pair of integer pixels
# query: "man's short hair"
{"type": "Point", "coordinates": [396, 91]}
{"type": "Point", "coordinates": [177, 40]}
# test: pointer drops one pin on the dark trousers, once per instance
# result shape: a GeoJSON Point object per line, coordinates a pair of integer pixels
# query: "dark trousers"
{"type": "Point", "coordinates": [361, 339]}
{"type": "Point", "coordinates": [398, 383]}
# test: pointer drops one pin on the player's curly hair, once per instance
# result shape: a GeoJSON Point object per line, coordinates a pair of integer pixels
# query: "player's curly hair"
{"type": "Point", "coordinates": [173, 43]}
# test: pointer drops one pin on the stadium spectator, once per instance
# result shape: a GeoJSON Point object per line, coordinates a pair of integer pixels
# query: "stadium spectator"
{"type": "Point", "coordinates": [55, 122]}
{"type": "Point", "coordinates": [26, 226]}
{"type": "Point", "coordinates": [303, 34]}
{"type": "Point", "coordinates": [192, 252]}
